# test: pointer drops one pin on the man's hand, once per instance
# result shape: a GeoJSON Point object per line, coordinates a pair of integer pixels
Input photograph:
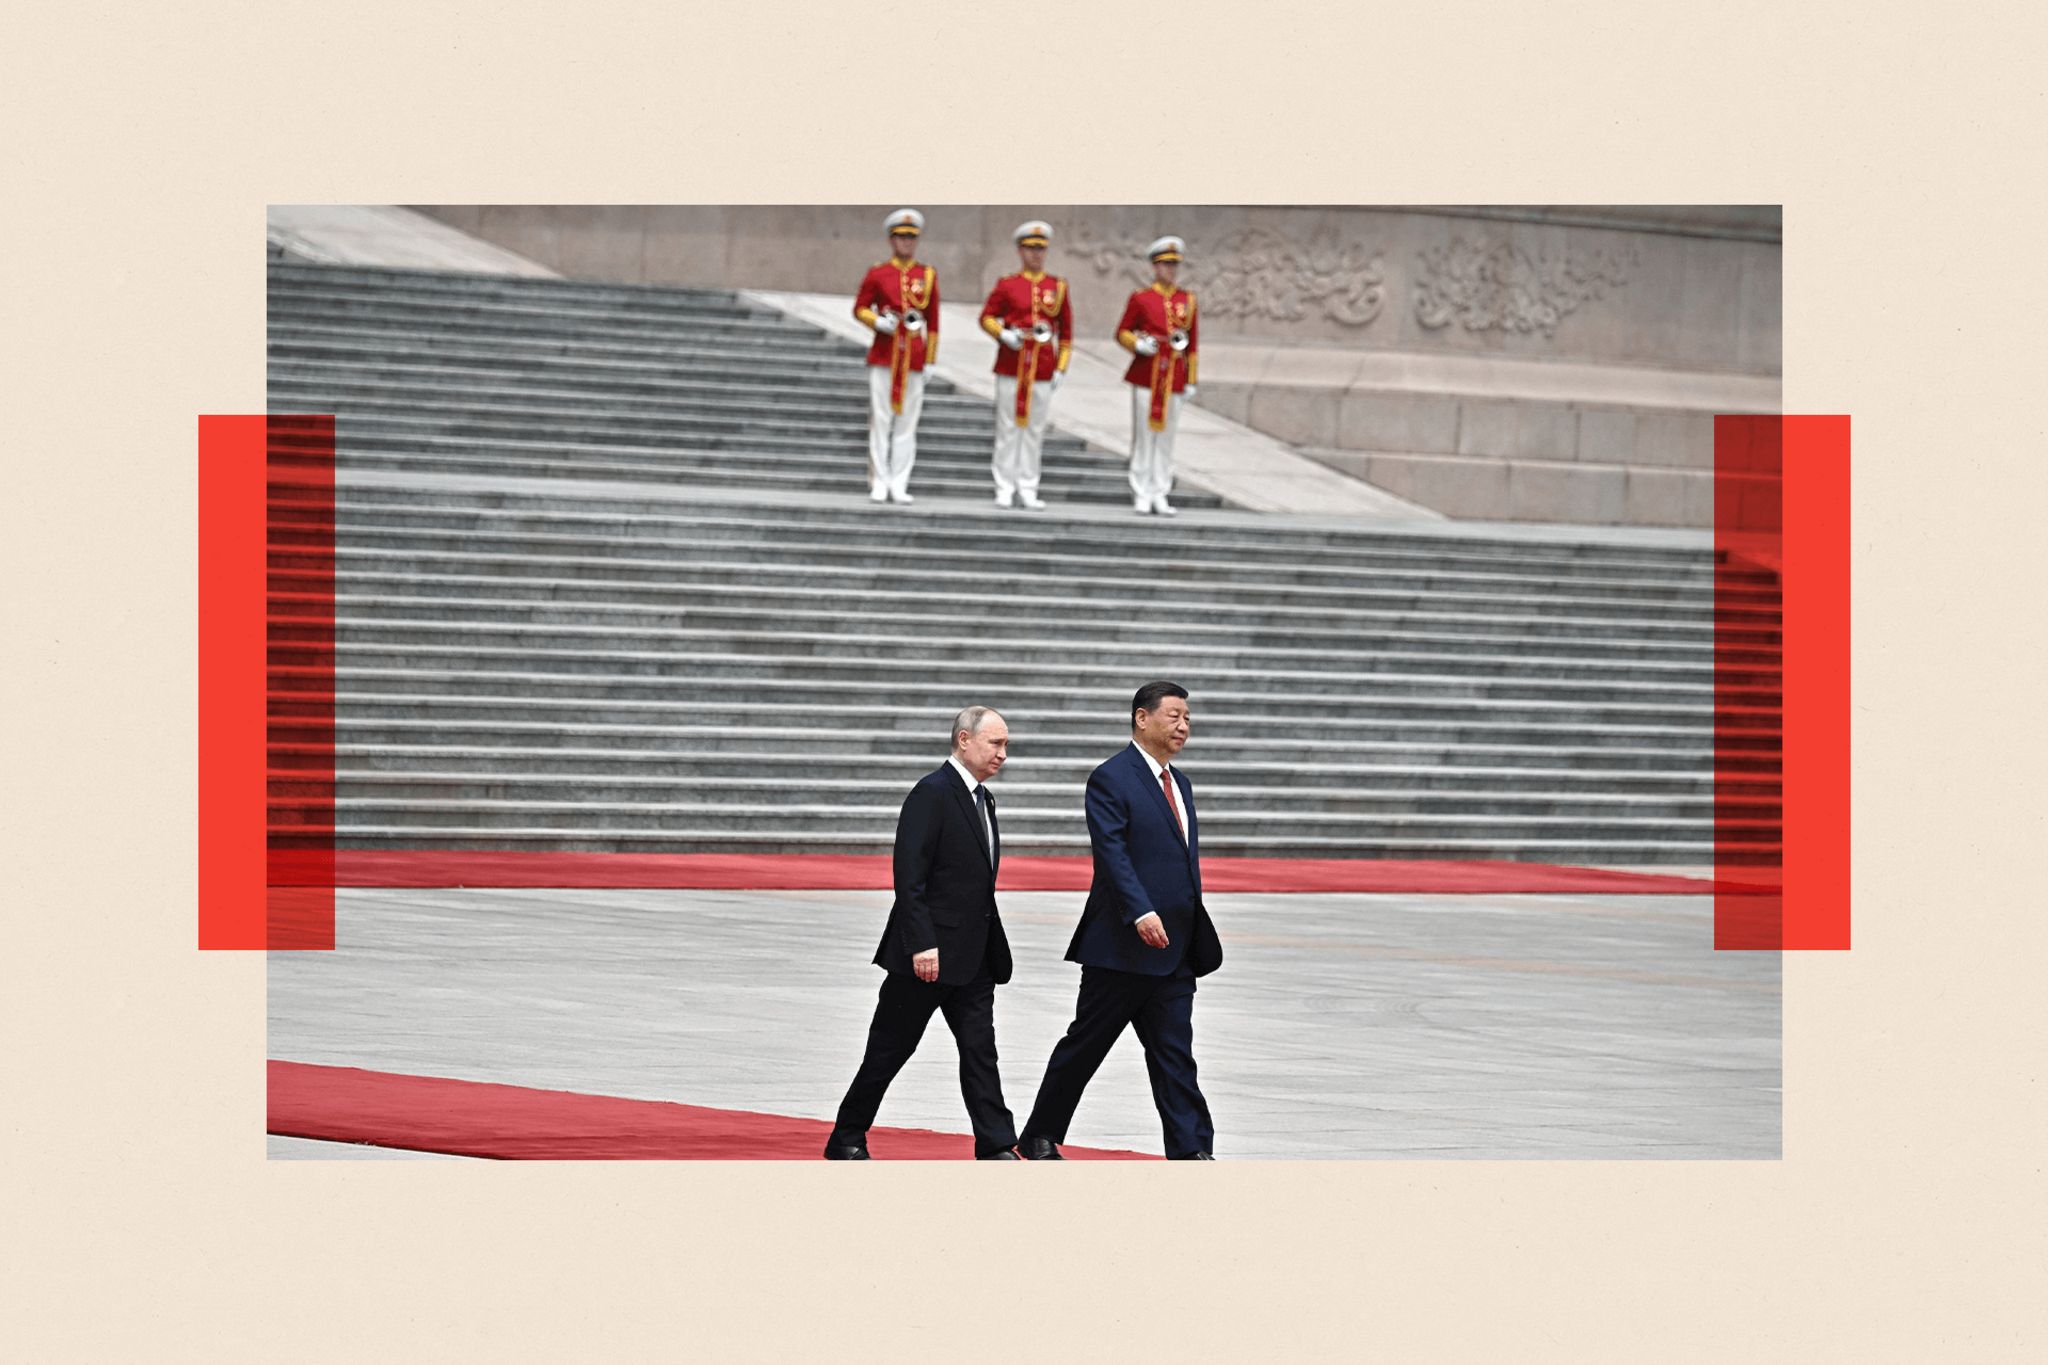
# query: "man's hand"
{"type": "Point", "coordinates": [1146, 344]}
{"type": "Point", "coordinates": [885, 323]}
{"type": "Point", "coordinates": [926, 964]}
{"type": "Point", "coordinates": [1054, 385]}
{"type": "Point", "coordinates": [1190, 393]}
{"type": "Point", "coordinates": [1152, 931]}
{"type": "Point", "coordinates": [1011, 338]}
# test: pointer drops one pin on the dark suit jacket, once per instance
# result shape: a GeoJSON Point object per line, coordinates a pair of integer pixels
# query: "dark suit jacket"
{"type": "Point", "coordinates": [945, 884]}
{"type": "Point", "coordinates": [1142, 867]}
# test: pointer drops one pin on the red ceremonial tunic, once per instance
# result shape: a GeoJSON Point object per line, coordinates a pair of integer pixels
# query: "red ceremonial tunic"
{"type": "Point", "coordinates": [898, 287]}
{"type": "Point", "coordinates": [1159, 312]}
{"type": "Point", "coordinates": [1018, 301]}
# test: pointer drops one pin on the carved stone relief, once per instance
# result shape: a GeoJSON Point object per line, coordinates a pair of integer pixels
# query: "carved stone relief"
{"type": "Point", "coordinates": [1493, 285]}
{"type": "Point", "coordinates": [1256, 273]}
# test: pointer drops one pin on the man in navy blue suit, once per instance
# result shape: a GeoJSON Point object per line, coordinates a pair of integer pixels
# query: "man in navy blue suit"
{"type": "Point", "coordinates": [944, 948]}
{"type": "Point", "coordinates": [1143, 939]}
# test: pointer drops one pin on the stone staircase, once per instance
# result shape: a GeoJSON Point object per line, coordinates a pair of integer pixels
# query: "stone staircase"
{"type": "Point", "coordinates": [731, 661]}
{"type": "Point", "coordinates": [461, 373]}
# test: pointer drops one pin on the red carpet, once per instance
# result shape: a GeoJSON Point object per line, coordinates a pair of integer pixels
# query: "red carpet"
{"type": "Point", "coordinates": [836, 872]}
{"type": "Point", "coordinates": [512, 1122]}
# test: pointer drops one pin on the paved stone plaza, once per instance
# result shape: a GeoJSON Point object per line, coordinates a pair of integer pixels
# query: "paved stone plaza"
{"type": "Point", "coordinates": [1341, 1026]}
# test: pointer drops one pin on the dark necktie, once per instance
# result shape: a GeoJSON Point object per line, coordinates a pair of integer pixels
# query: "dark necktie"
{"type": "Point", "coordinates": [988, 825]}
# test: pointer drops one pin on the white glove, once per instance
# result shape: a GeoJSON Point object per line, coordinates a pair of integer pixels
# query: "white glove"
{"type": "Point", "coordinates": [1189, 392]}
{"type": "Point", "coordinates": [1147, 344]}
{"type": "Point", "coordinates": [1011, 338]}
{"type": "Point", "coordinates": [1057, 376]}
{"type": "Point", "coordinates": [885, 323]}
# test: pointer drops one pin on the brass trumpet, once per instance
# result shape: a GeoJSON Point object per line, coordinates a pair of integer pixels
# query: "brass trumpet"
{"type": "Point", "coordinates": [1041, 332]}
{"type": "Point", "coordinates": [1178, 341]}
{"type": "Point", "coordinates": [913, 320]}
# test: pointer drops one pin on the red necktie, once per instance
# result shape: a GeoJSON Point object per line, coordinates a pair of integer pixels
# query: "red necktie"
{"type": "Point", "coordinates": [1166, 781]}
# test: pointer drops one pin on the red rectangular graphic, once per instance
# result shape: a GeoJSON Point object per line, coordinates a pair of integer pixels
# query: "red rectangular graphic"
{"type": "Point", "coordinates": [1781, 680]}
{"type": "Point", "coordinates": [266, 649]}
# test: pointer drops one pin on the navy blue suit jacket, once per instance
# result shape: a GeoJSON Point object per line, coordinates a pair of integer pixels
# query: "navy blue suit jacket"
{"type": "Point", "coordinates": [1142, 867]}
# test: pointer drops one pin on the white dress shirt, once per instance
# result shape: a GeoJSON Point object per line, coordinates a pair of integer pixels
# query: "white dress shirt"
{"type": "Point", "coordinates": [988, 837]}
{"type": "Point", "coordinates": [1179, 799]}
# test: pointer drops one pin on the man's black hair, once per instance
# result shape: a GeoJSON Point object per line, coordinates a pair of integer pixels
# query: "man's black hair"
{"type": "Point", "coordinates": [1151, 694]}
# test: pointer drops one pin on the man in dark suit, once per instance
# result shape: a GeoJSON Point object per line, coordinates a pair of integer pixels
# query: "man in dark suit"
{"type": "Point", "coordinates": [1143, 939]}
{"type": "Point", "coordinates": [944, 948]}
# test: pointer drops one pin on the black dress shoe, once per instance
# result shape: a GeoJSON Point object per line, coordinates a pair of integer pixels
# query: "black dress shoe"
{"type": "Point", "coordinates": [1007, 1154]}
{"type": "Point", "coordinates": [846, 1151]}
{"type": "Point", "coordinates": [1040, 1149]}
{"type": "Point", "coordinates": [1192, 1156]}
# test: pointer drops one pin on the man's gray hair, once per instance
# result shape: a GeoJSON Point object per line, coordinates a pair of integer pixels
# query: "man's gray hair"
{"type": "Point", "coordinates": [970, 720]}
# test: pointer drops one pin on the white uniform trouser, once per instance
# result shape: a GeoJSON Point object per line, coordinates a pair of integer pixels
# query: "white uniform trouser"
{"type": "Point", "coordinates": [892, 436]}
{"type": "Point", "coordinates": [1151, 451]}
{"type": "Point", "coordinates": [1019, 450]}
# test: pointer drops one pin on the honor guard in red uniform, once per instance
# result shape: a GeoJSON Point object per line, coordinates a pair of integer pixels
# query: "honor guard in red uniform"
{"type": "Point", "coordinates": [899, 299]}
{"type": "Point", "coordinates": [1028, 315]}
{"type": "Point", "coordinates": [1160, 331]}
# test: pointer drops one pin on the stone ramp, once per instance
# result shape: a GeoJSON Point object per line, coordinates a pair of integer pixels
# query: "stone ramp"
{"type": "Point", "coordinates": [385, 235]}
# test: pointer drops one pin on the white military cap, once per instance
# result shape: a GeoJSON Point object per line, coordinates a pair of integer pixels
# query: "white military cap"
{"type": "Point", "coordinates": [1034, 233]}
{"type": "Point", "coordinates": [1166, 249]}
{"type": "Point", "coordinates": [905, 220]}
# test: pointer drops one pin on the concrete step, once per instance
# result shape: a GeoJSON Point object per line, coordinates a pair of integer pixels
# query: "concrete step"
{"type": "Point", "coordinates": [639, 302]}
{"type": "Point", "coordinates": [1106, 699]}
{"type": "Point", "coordinates": [423, 726]}
{"type": "Point", "coordinates": [1023, 826]}
{"type": "Point", "coordinates": [358, 339]}
{"type": "Point", "coordinates": [712, 459]}
{"type": "Point", "coordinates": [490, 318]}
{"type": "Point", "coordinates": [1035, 545]}
{"type": "Point", "coordinates": [710, 375]}
{"type": "Point", "coordinates": [634, 631]}
{"type": "Point", "coordinates": [885, 567]}
{"type": "Point", "coordinates": [730, 594]}
{"type": "Point", "coordinates": [950, 604]}
{"type": "Point", "coordinates": [466, 284]}
{"type": "Point", "coordinates": [613, 515]}
{"type": "Point", "coordinates": [396, 409]}
{"type": "Point", "coordinates": [1225, 547]}
{"type": "Point", "coordinates": [1561, 848]}
{"type": "Point", "coordinates": [889, 543]}
{"type": "Point", "coordinates": [967, 671]}
{"type": "Point", "coordinates": [1056, 631]}
{"type": "Point", "coordinates": [718, 448]}
{"type": "Point", "coordinates": [363, 757]}
{"type": "Point", "coordinates": [1026, 805]}
{"type": "Point", "coordinates": [711, 724]}
{"type": "Point", "coordinates": [806, 389]}
{"type": "Point", "coordinates": [707, 469]}
{"type": "Point", "coordinates": [326, 353]}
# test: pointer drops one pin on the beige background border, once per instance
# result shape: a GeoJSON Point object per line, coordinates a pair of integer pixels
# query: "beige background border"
{"type": "Point", "coordinates": [143, 1223]}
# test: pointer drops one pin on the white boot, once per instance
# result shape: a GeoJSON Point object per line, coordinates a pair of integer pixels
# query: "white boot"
{"type": "Point", "coordinates": [1163, 507]}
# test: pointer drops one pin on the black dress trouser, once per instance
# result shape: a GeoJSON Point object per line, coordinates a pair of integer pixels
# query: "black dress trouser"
{"type": "Point", "coordinates": [902, 1010]}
